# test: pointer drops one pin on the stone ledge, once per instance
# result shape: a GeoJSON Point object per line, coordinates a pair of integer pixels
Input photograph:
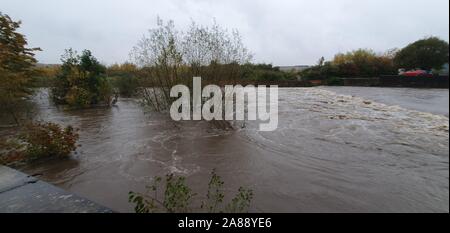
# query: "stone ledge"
{"type": "Point", "coordinates": [20, 193]}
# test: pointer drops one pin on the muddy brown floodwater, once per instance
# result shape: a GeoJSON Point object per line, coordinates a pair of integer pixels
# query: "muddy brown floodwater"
{"type": "Point", "coordinates": [330, 153]}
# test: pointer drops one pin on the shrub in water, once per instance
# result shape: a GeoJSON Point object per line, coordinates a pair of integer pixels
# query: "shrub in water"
{"type": "Point", "coordinates": [38, 140]}
{"type": "Point", "coordinates": [81, 81]}
{"type": "Point", "coordinates": [48, 140]}
{"type": "Point", "coordinates": [78, 97]}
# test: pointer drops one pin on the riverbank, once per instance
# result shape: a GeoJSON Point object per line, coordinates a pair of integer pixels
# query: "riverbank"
{"type": "Point", "coordinates": [382, 81]}
{"type": "Point", "coordinates": [398, 81]}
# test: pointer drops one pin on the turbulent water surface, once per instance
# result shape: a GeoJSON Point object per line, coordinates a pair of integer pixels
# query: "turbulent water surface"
{"type": "Point", "coordinates": [379, 150]}
{"type": "Point", "coordinates": [425, 100]}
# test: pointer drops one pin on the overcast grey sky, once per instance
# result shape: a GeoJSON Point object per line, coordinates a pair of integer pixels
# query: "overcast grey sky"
{"type": "Point", "coordinates": [282, 32]}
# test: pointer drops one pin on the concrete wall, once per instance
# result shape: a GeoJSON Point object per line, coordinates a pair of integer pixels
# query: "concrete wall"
{"type": "Point", "coordinates": [422, 82]}
{"type": "Point", "coordinates": [365, 82]}
{"type": "Point", "coordinates": [21, 193]}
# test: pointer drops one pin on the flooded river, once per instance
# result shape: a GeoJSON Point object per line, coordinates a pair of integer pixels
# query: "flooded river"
{"type": "Point", "coordinates": [335, 150]}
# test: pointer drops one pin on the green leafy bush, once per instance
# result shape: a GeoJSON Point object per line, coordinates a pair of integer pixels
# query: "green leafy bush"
{"type": "Point", "coordinates": [177, 197]}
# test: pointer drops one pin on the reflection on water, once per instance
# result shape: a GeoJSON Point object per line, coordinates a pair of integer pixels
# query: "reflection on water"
{"type": "Point", "coordinates": [330, 153]}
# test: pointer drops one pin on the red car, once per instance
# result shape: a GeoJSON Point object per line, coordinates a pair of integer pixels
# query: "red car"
{"type": "Point", "coordinates": [417, 73]}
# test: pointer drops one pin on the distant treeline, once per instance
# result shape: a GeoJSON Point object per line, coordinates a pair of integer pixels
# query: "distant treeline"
{"type": "Point", "coordinates": [128, 76]}
{"type": "Point", "coordinates": [427, 54]}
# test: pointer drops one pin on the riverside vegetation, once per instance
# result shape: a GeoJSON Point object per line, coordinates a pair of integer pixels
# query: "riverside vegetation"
{"type": "Point", "coordinates": [177, 197]}
{"type": "Point", "coordinates": [163, 58]}
{"type": "Point", "coordinates": [429, 53]}
{"type": "Point", "coordinates": [17, 68]}
{"type": "Point", "coordinates": [82, 82]}
{"type": "Point", "coordinates": [37, 141]}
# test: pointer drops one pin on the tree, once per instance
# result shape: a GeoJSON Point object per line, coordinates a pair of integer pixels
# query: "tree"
{"type": "Point", "coordinates": [363, 62]}
{"type": "Point", "coordinates": [170, 57]}
{"type": "Point", "coordinates": [321, 62]}
{"type": "Point", "coordinates": [124, 78]}
{"type": "Point", "coordinates": [426, 54]}
{"type": "Point", "coordinates": [16, 65]}
{"type": "Point", "coordinates": [357, 63]}
{"type": "Point", "coordinates": [82, 81]}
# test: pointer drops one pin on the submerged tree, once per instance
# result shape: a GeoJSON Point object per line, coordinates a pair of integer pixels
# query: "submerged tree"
{"type": "Point", "coordinates": [16, 65]}
{"type": "Point", "coordinates": [38, 140]}
{"type": "Point", "coordinates": [169, 57]}
{"type": "Point", "coordinates": [82, 81]}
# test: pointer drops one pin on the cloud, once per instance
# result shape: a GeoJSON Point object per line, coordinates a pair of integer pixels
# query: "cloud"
{"type": "Point", "coordinates": [282, 32]}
